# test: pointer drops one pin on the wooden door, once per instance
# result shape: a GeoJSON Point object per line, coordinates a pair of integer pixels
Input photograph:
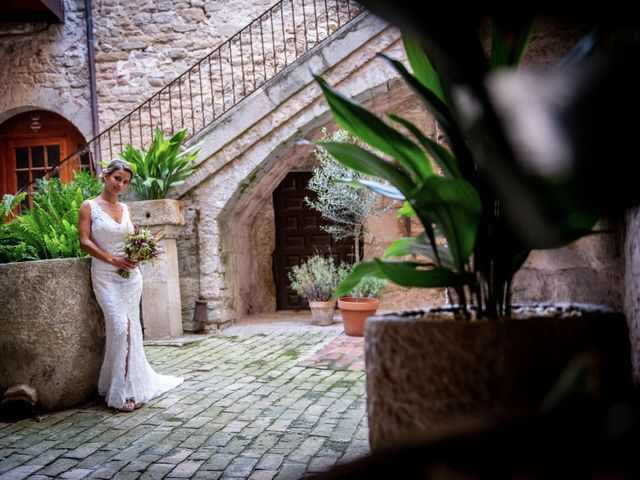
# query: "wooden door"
{"type": "Point", "coordinates": [31, 143]}
{"type": "Point", "coordinates": [298, 236]}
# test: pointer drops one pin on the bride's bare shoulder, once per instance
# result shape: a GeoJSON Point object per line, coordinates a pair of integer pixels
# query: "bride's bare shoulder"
{"type": "Point", "coordinates": [85, 206]}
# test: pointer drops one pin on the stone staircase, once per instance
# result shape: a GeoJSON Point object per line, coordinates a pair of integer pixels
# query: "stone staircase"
{"type": "Point", "coordinates": [249, 151]}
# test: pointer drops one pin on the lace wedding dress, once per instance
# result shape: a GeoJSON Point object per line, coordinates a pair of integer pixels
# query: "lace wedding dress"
{"type": "Point", "coordinates": [125, 371]}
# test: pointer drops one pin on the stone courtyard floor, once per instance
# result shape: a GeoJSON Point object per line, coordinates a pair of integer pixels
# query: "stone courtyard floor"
{"type": "Point", "coordinates": [261, 400]}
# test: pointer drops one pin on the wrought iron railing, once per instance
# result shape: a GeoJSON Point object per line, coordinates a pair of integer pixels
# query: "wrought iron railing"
{"type": "Point", "coordinates": [225, 77]}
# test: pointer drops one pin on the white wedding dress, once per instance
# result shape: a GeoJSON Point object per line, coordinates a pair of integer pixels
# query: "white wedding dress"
{"type": "Point", "coordinates": [125, 371]}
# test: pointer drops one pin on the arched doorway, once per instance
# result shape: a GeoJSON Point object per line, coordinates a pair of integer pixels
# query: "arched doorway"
{"type": "Point", "coordinates": [299, 234]}
{"type": "Point", "coordinates": [35, 142]}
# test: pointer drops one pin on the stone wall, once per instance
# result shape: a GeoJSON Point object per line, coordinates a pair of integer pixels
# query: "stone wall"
{"type": "Point", "coordinates": [263, 243]}
{"type": "Point", "coordinates": [188, 262]}
{"type": "Point", "coordinates": [632, 284]}
{"type": "Point", "coordinates": [143, 45]}
{"type": "Point", "coordinates": [45, 67]}
{"type": "Point", "coordinates": [590, 270]}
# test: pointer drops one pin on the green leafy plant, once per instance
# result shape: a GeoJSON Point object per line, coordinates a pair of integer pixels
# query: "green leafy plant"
{"type": "Point", "coordinates": [49, 229]}
{"type": "Point", "coordinates": [371, 287]}
{"type": "Point", "coordinates": [367, 286]}
{"type": "Point", "coordinates": [473, 240]}
{"type": "Point", "coordinates": [10, 203]}
{"type": "Point", "coordinates": [344, 204]}
{"type": "Point", "coordinates": [88, 184]}
{"type": "Point", "coordinates": [316, 278]}
{"type": "Point", "coordinates": [166, 164]}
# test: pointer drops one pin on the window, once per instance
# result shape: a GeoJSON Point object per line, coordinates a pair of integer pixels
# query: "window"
{"type": "Point", "coordinates": [34, 158]}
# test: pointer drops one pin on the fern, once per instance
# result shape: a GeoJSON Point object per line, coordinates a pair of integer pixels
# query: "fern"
{"type": "Point", "coordinates": [49, 229]}
{"type": "Point", "coordinates": [9, 202]}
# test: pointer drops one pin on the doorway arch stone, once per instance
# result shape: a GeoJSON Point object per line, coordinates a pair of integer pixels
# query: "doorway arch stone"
{"type": "Point", "coordinates": [230, 202]}
{"type": "Point", "coordinates": [250, 151]}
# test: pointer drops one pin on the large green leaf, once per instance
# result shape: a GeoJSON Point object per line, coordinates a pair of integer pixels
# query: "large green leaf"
{"type": "Point", "coordinates": [361, 160]}
{"type": "Point", "coordinates": [421, 66]}
{"type": "Point", "coordinates": [412, 274]}
{"type": "Point", "coordinates": [406, 211]}
{"type": "Point", "coordinates": [455, 206]}
{"type": "Point", "coordinates": [442, 114]}
{"type": "Point", "coordinates": [509, 41]}
{"type": "Point", "coordinates": [370, 129]}
{"type": "Point", "coordinates": [441, 155]}
{"type": "Point", "coordinates": [383, 189]}
{"type": "Point", "coordinates": [419, 245]}
{"type": "Point", "coordinates": [360, 271]}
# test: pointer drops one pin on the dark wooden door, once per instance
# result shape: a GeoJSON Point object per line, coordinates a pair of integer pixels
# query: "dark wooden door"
{"type": "Point", "coordinates": [298, 236]}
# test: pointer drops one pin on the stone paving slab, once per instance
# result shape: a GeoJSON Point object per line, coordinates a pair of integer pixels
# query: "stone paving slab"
{"type": "Point", "coordinates": [260, 401]}
{"type": "Point", "coordinates": [341, 353]}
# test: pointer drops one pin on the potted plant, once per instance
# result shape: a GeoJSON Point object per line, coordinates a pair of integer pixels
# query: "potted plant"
{"type": "Point", "coordinates": [52, 340]}
{"type": "Point", "coordinates": [167, 163]}
{"type": "Point", "coordinates": [315, 280]}
{"type": "Point", "coordinates": [361, 303]}
{"type": "Point", "coordinates": [340, 200]}
{"type": "Point", "coordinates": [485, 201]}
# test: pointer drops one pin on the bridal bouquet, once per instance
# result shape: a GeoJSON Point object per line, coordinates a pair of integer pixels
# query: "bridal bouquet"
{"type": "Point", "coordinates": [141, 246]}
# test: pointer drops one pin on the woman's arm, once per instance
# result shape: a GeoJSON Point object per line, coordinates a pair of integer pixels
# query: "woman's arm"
{"type": "Point", "coordinates": [86, 244]}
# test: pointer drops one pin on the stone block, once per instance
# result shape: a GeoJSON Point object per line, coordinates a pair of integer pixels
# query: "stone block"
{"type": "Point", "coordinates": [150, 213]}
{"type": "Point", "coordinates": [161, 301]}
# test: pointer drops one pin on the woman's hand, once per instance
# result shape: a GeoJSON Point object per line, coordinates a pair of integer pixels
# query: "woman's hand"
{"type": "Point", "coordinates": [124, 263]}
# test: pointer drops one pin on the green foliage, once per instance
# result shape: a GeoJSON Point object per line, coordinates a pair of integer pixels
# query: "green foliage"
{"type": "Point", "coordinates": [371, 284]}
{"type": "Point", "coordinates": [49, 229]}
{"type": "Point", "coordinates": [87, 182]}
{"type": "Point", "coordinates": [372, 287]}
{"type": "Point", "coordinates": [9, 202]}
{"type": "Point", "coordinates": [166, 164]}
{"type": "Point", "coordinates": [467, 243]}
{"type": "Point", "coordinates": [345, 206]}
{"type": "Point", "coordinates": [316, 278]}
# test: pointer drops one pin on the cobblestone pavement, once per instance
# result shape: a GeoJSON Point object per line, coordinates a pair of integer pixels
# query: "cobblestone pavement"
{"type": "Point", "coordinates": [264, 401]}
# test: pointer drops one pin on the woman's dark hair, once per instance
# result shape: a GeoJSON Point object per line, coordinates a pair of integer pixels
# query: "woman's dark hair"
{"type": "Point", "coordinates": [116, 165]}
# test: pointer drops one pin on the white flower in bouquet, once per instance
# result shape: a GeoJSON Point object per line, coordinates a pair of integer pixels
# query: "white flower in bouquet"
{"type": "Point", "coordinates": [141, 246]}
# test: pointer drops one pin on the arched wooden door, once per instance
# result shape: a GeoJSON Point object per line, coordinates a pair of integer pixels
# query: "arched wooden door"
{"type": "Point", "coordinates": [34, 142]}
{"type": "Point", "coordinates": [298, 236]}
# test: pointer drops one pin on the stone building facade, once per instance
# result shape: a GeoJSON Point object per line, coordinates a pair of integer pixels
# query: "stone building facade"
{"type": "Point", "coordinates": [225, 250]}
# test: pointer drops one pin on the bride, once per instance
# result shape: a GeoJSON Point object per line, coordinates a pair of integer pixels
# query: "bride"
{"type": "Point", "coordinates": [126, 378]}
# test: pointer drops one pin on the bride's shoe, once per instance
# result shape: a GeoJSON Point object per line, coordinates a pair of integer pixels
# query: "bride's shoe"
{"type": "Point", "coordinates": [129, 405]}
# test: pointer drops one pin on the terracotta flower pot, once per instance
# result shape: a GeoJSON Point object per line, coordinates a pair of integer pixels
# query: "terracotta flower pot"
{"type": "Point", "coordinates": [355, 311]}
{"type": "Point", "coordinates": [322, 312]}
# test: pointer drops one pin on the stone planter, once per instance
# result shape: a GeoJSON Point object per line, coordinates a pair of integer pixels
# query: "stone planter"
{"type": "Point", "coordinates": [355, 311]}
{"type": "Point", "coordinates": [322, 312]}
{"type": "Point", "coordinates": [161, 304]}
{"type": "Point", "coordinates": [51, 331]}
{"type": "Point", "coordinates": [427, 375]}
